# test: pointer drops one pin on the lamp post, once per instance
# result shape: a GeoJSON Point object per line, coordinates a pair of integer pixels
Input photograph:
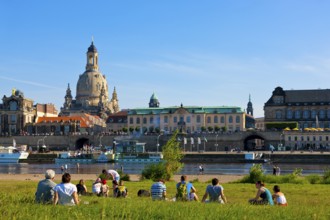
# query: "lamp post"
{"type": "Point", "coordinates": [158, 142]}
{"type": "Point", "coordinates": [281, 140]}
{"type": "Point", "coordinates": [38, 144]}
{"type": "Point", "coordinates": [101, 136]}
{"type": "Point", "coordinates": [216, 142]}
{"type": "Point", "coordinates": [43, 140]}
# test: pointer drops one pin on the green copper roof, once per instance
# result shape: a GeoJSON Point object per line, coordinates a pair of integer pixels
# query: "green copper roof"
{"type": "Point", "coordinates": [190, 109]}
{"type": "Point", "coordinates": [153, 96]}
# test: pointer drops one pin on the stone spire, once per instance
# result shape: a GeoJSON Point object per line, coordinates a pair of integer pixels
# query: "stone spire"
{"type": "Point", "coordinates": [67, 98]}
{"type": "Point", "coordinates": [249, 109]}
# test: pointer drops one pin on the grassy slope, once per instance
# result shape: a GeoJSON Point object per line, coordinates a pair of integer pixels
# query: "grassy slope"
{"type": "Point", "coordinates": [306, 201]}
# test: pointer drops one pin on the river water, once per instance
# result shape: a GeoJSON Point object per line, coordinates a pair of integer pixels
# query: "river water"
{"type": "Point", "coordinates": [135, 168]}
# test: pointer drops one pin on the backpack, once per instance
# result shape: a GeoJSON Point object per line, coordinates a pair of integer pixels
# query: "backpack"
{"type": "Point", "coordinates": [182, 192]}
{"type": "Point", "coordinates": [121, 191]}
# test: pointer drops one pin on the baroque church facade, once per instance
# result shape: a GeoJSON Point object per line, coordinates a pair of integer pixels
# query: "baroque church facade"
{"type": "Point", "coordinates": [92, 94]}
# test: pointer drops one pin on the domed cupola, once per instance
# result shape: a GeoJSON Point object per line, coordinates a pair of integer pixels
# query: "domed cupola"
{"type": "Point", "coordinates": [154, 103]}
{"type": "Point", "coordinates": [91, 81]}
{"type": "Point", "coordinates": [92, 48]}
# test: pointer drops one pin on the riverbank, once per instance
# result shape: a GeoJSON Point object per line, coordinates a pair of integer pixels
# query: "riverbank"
{"type": "Point", "coordinates": [134, 177]}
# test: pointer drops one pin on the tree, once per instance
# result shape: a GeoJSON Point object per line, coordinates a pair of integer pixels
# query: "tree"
{"type": "Point", "coordinates": [157, 130]}
{"type": "Point", "coordinates": [210, 128]}
{"type": "Point", "coordinates": [131, 129]}
{"type": "Point", "coordinates": [216, 128]}
{"type": "Point", "coordinates": [224, 128]}
{"type": "Point", "coordinates": [172, 155]}
{"type": "Point", "coordinates": [125, 129]}
{"type": "Point", "coordinates": [137, 128]}
{"type": "Point", "coordinates": [203, 128]}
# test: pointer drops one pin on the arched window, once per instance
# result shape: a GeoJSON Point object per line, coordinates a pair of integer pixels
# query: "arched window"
{"type": "Point", "coordinates": [322, 114]}
{"type": "Point", "coordinates": [305, 114]}
{"type": "Point", "coordinates": [13, 106]}
{"type": "Point", "coordinates": [230, 119]}
{"type": "Point", "coordinates": [238, 119]}
{"type": "Point", "coordinates": [188, 119]}
{"type": "Point", "coordinates": [297, 114]}
{"type": "Point", "coordinates": [198, 119]}
{"type": "Point", "coordinates": [289, 114]}
{"type": "Point", "coordinates": [151, 119]}
{"type": "Point", "coordinates": [208, 119]}
{"type": "Point", "coordinates": [215, 119]}
{"type": "Point", "coordinates": [165, 119]}
{"type": "Point", "coordinates": [313, 114]}
{"type": "Point", "coordinates": [144, 120]}
{"type": "Point", "coordinates": [131, 120]}
{"type": "Point", "coordinates": [222, 119]}
{"type": "Point", "coordinates": [90, 59]}
{"type": "Point", "coordinates": [137, 120]}
{"type": "Point", "coordinates": [175, 119]}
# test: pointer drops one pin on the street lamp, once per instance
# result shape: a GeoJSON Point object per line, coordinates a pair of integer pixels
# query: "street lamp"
{"type": "Point", "coordinates": [281, 140]}
{"type": "Point", "coordinates": [101, 136]}
{"type": "Point", "coordinates": [216, 142]}
{"type": "Point", "coordinates": [43, 140]}
{"type": "Point", "coordinates": [158, 142]}
{"type": "Point", "coordinates": [38, 144]}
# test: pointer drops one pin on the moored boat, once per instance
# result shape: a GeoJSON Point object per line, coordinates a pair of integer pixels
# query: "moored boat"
{"type": "Point", "coordinates": [139, 157]}
{"type": "Point", "coordinates": [12, 154]}
{"type": "Point", "coordinates": [67, 157]}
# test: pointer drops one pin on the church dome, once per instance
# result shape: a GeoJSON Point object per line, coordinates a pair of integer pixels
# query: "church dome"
{"type": "Point", "coordinates": [89, 88]}
{"type": "Point", "coordinates": [92, 48]}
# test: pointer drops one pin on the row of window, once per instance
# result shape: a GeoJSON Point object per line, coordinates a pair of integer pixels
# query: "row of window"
{"type": "Point", "coordinates": [305, 114]}
{"type": "Point", "coordinates": [188, 119]}
{"type": "Point", "coordinates": [307, 138]}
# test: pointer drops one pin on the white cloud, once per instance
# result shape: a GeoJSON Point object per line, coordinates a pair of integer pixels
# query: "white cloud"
{"type": "Point", "coordinates": [30, 83]}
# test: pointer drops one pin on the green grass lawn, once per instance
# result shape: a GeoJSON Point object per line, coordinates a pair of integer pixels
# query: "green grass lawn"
{"type": "Point", "coordinates": [306, 201]}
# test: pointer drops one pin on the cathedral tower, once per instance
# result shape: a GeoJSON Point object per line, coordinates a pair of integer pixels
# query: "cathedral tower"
{"type": "Point", "coordinates": [249, 109]}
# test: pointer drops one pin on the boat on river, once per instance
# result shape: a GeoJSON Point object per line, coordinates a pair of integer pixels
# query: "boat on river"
{"type": "Point", "coordinates": [12, 154]}
{"type": "Point", "coordinates": [67, 157]}
{"type": "Point", "coordinates": [133, 151]}
{"type": "Point", "coordinates": [149, 157]}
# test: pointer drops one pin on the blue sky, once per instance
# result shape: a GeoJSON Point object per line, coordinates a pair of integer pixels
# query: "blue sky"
{"type": "Point", "coordinates": [206, 53]}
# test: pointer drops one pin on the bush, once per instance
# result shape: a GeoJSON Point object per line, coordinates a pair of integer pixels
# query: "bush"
{"type": "Point", "coordinates": [123, 176]}
{"type": "Point", "coordinates": [314, 179]}
{"type": "Point", "coordinates": [256, 173]}
{"type": "Point", "coordinates": [155, 172]}
{"type": "Point", "coordinates": [326, 176]}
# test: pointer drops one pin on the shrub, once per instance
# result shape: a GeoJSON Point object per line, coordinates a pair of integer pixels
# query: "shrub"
{"type": "Point", "coordinates": [326, 176]}
{"type": "Point", "coordinates": [155, 172]}
{"type": "Point", "coordinates": [314, 179]}
{"type": "Point", "coordinates": [123, 176]}
{"type": "Point", "coordinates": [256, 173]}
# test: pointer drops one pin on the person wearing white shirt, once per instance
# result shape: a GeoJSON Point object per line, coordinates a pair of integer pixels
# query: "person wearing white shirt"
{"type": "Point", "coordinates": [114, 174]}
{"type": "Point", "coordinates": [66, 192]}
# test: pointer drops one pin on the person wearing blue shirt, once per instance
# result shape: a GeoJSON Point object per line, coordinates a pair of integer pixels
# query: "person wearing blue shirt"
{"type": "Point", "coordinates": [158, 190]}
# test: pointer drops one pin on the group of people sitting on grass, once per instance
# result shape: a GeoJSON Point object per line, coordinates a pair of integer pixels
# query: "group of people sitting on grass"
{"type": "Point", "coordinates": [67, 193]}
{"type": "Point", "coordinates": [215, 193]}
{"type": "Point", "coordinates": [185, 191]}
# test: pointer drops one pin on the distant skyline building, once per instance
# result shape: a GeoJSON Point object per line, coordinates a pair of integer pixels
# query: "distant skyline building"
{"type": "Point", "coordinates": [185, 118]}
{"type": "Point", "coordinates": [307, 107]}
{"type": "Point", "coordinates": [17, 111]}
{"type": "Point", "coordinates": [92, 91]}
